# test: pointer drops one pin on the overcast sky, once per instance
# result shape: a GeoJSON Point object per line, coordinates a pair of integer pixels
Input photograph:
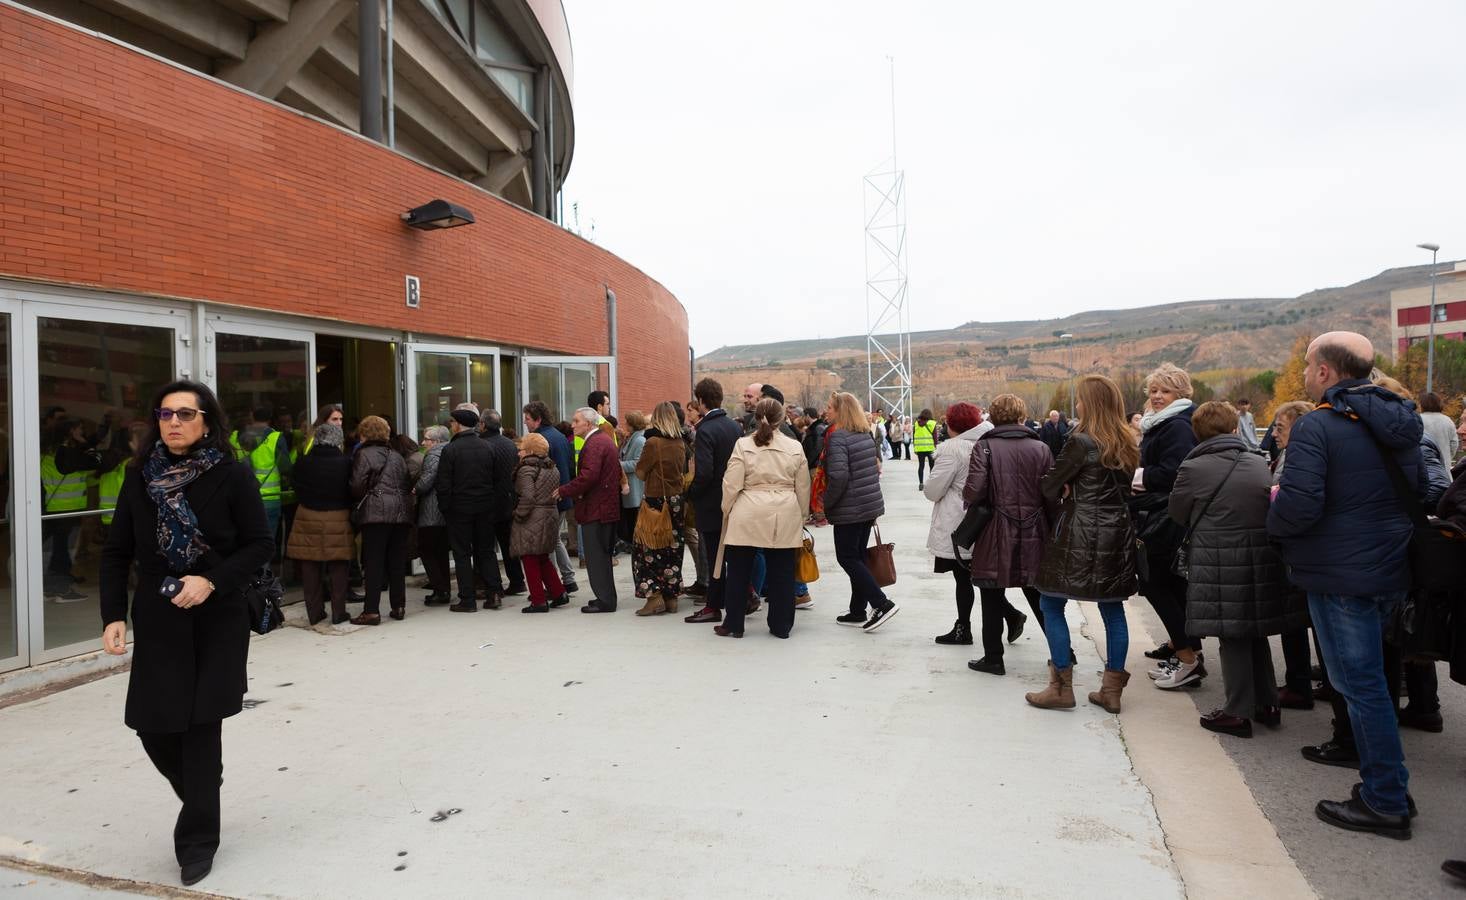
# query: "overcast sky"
{"type": "Point", "coordinates": [1060, 156]}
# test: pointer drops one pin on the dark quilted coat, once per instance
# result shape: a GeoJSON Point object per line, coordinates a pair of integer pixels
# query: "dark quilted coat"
{"type": "Point", "coordinates": [506, 459]}
{"type": "Point", "coordinates": [379, 482]}
{"type": "Point", "coordinates": [852, 478]}
{"type": "Point", "coordinates": [1238, 588]}
{"type": "Point", "coordinates": [1090, 550]}
{"type": "Point", "coordinates": [536, 527]}
{"type": "Point", "coordinates": [1007, 468]}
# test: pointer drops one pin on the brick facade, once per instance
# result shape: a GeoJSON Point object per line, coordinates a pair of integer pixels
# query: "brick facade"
{"type": "Point", "coordinates": [121, 171]}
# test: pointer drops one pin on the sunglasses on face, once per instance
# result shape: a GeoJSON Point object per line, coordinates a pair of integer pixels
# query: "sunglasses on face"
{"type": "Point", "coordinates": [184, 414]}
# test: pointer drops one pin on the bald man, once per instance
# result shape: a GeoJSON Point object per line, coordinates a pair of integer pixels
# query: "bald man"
{"type": "Point", "coordinates": [1345, 536]}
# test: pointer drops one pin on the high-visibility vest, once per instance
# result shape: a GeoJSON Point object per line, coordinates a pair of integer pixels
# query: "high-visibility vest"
{"type": "Point", "coordinates": [109, 489]}
{"type": "Point", "coordinates": [923, 437]}
{"type": "Point", "coordinates": [63, 493]}
{"type": "Point", "coordinates": [265, 463]}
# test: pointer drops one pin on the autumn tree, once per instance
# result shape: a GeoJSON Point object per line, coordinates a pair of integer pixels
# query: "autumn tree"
{"type": "Point", "coordinates": [1288, 386]}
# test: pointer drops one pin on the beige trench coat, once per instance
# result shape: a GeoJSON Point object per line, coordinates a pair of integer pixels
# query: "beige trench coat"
{"type": "Point", "coordinates": [765, 495]}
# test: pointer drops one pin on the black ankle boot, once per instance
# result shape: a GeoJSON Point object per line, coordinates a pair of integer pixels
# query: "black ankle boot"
{"type": "Point", "coordinates": [961, 633]}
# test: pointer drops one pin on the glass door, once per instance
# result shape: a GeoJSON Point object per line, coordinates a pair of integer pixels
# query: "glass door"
{"type": "Point", "coordinates": [441, 376]}
{"type": "Point", "coordinates": [13, 646]}
{"type": "Point", "coordinates": [89, 372]}
{"type": "Point", "coordinates": [563, 383]}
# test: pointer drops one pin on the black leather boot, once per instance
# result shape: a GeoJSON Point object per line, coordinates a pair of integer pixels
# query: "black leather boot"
{"type": "Point", "coordinates": [961, 633]}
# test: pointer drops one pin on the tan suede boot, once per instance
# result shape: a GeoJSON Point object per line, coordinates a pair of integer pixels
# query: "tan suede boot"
{"type": "Point", "coordinates": [1111, 687]}
{"type": "Point", "coordinates": [655, 606]}
{"type": "Point", "coordinates": [1060, 692]}
{"type": "Point", "coordinates": [670, 603]}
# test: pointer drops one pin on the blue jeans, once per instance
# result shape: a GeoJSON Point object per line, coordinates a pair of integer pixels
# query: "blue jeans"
{"type": "Point", "coordinates": [1349, 633]}
{"type": "Point", "coordinates": [1056, 629]}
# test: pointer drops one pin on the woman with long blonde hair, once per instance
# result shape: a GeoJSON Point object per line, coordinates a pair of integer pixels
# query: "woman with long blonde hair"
{"type": "Point", "coordinates": [853, 502]}
{"type": "Point", "coordinates": [660, 467]}
{"type": "Point", "coordinates": [1090, 552]}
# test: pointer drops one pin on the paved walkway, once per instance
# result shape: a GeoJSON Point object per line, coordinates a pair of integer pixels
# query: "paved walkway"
{"type": "Point", "coordinates": [569, 755]}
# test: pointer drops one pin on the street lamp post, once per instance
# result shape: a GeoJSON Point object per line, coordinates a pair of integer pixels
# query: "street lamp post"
{"type": "Point", "coordinates": [1070, 339]}
{"type": "Point", "coordinates": [1430, 349]}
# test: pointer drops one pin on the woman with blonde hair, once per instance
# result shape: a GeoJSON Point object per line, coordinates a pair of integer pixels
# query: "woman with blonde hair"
{"type": "Point", "coordinates": [1165, 439]}
{"type": "Point", "coordinates": [765, 500]}
{"type": "Point", "coordinates": [853, 502]}
{"type": "Point", "coordinates": [1090, 552]}
{"type": "Point", "coordinates": [660, 467]}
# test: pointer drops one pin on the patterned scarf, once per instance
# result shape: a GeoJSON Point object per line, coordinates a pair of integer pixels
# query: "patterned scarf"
{"type": "Point", "coordinates": [179, 540]}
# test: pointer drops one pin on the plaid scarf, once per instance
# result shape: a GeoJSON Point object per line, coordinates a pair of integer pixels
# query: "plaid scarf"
{"type": "Point", "coordinates": [179, 540]}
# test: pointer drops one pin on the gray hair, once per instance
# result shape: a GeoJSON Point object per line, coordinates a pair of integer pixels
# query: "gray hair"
{"type": "Point", "coordinates": [438, 433]}
{"type": "Point", "coordinates": [588, 414]}
{"type": "Point", "coordinates": [491, 418]}
{"type": "Point", "coordinates": [330, 435]}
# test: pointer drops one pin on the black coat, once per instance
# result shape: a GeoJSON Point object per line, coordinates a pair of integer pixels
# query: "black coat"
{"type": "Point", "coordinates": [465, 476]}
{"type": "Point", "coordinates": [1164, 448]}
{"type": "Point", "coordinates": [188, 665]}
{"type": "Point", "coordinates": [322, 479]}
{"type": "Point", "coordinates": [1090, 550]}
{"type": "Point", "coordinates": [716, 435]}
{"type": "Point", "coordinates": [852, 478]}
{"type": "Point", "coordinates": [1238, 588]}
{"type": "Point", "coordinates": [506, 460]}
{"type": "Point", "coordinates": [1054, 434]}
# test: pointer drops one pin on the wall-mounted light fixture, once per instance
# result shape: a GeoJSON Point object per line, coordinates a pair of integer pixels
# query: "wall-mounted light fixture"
{"type": "Point", "coordinates": [437, 214]}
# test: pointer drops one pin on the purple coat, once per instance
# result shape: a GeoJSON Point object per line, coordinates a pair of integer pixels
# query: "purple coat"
{"type": "Point", "coordinates": [1010, 461]}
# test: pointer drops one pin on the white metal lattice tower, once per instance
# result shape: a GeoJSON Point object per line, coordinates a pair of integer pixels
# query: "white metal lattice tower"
{"type": "Point", "coordinates": [887, 306]}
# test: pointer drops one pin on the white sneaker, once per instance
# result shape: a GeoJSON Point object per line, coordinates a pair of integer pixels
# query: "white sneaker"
{"type": "Point", "coordinates": [1184, 675]}
{"type": "Point", "coordinates": [1162, 669]}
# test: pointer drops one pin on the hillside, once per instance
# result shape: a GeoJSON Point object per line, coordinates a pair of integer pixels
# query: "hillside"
{"type": "Point", "coordinates": [1214, 339]}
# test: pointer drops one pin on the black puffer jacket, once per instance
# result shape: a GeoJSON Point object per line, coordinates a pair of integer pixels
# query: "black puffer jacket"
{"type": "Point", "coordinates": [1238, 587]}
{"type": "Point", "coordinates": [465, 482]}
{"type": "Point", "coordinates": [379, 481]}
{"type": "Point", "coordinates": [852, 478]}
{"type": "Point", "coordinates": [1090, 550]}
{"type": "Point", "coordinates": [506, 460]}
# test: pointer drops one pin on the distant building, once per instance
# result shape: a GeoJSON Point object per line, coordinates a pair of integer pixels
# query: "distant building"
{"type": "Point", "coordinates": [1410, 310]}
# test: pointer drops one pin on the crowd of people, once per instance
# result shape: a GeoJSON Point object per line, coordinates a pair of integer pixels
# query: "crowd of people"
{"type": "Point", "coordinates": [1226, 535]}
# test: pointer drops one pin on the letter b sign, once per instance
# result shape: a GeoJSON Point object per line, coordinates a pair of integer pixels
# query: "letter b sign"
{"type": "Point", "coordinates": [414, 292]}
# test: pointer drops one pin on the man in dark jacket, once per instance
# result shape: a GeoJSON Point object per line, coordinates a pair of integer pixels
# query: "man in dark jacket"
{"type": "Point", "coordinates": [596, 489]}
{"type": "Point", "coordinates": [814, 437]}
{"type": "Point", "coordinates": [466, 491]}
{"type": "Point", "coordinates": [1345, 538]}
{"type": "Point", "coordinates": [506, 458]}
{"type": "Point", "coordinates": [716, 435]}
{"type": "Point", "coordinates": [537, 420]}
{"type": "Point", "coordinates": [1054, 432]}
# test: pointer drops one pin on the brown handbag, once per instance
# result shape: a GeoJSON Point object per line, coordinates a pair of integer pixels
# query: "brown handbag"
{"type": "Point", "coordinates": [654, 526]}
{"type": "Point", "coordinates": [806, 567]}
{"type": "Point", "coordinates": [881, 561]}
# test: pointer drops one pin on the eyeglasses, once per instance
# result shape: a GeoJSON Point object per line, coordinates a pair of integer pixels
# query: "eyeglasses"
{"type": "Point", "coordinates": [184, 414]}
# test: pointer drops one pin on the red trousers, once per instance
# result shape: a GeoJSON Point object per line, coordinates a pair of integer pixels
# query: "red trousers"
{"type": "Point", "coordinates": [543, 579]}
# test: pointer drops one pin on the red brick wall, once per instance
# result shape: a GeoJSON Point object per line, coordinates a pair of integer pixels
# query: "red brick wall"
{"type": "Point", "coordinates": [123, 172]}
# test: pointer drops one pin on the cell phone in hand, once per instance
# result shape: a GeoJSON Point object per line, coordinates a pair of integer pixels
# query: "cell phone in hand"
{"type": "Point", "coordinates": [170, 588]}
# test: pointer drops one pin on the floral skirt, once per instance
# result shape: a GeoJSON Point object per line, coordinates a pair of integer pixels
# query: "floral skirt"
{"type": "Point", "coordinates": [659, 572]}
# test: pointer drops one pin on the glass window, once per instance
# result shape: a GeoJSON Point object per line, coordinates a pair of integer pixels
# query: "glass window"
{"type": "Point", "coordinates": [442, 383]}
{"type": "Point", "coordinates": [492, 42]}
{"type": "Point", "coordinates": [580, 380]}
{"type": "Point", "coordinates": [481, 380]}
{"type": "Point", "coordinates": [520, 86]}
{"type": "Point", "coordinates": [95, 381]}
{"type": "Point", "coordinates": [9, 614]}
{"type": "Point", "coordinates": [544, 386]}
{"type": "Point", "coordinates": [457, 12]}
{"type": "Point", "coordinates": [1440, 313]}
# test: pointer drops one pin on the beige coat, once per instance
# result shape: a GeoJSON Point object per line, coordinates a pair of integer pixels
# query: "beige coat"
{"type": "Point", "coordinates": [765, 495]}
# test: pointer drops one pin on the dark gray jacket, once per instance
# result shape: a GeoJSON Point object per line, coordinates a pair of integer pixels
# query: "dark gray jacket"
{"type": "Point", "coordinates": [852, 478]}
{"type": "Point", "coordinates": [716, 435]}
{"type": "Point", "coordinates": [465, 481]}
{"type": "Point", "coordinates": [1238, 587]}
{"type": "Point", "coordinates": [506, 460]}
{"type": "Point", "coordinates": [379, 484]}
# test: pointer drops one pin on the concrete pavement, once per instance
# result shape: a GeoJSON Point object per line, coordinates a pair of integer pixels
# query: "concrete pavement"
{"type": "Point", "coordinates": [564, 755]}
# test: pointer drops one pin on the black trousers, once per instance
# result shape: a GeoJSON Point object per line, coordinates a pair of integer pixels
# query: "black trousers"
{"type": "Point", "coordinates": [432, 548]}
{"type": "Point", "coordinates": [923, 460]}
{"type": "Point", "coordinates": [472, 538]}
{"type": "Point", "coordinates": [384, 556]}
{"type": "Point", "coordinates": [513, 571]}
{"type": "Point", "coordinates": [193, 763]}
{"type": "Point", "coordinates": [996, 611]}
{"type": "Point", "coordinates": [1167, 595]}
{"type": "Point", "coordinates": [778, 587]}
{"type": "Point", "coordinates": [850, 541]}
{"type": "Point", "coordinates": [598, 539]}
{"type": "Point", "coordinates": [709, 538]}
{"type": "Point", "coordinates": [1297, 662]}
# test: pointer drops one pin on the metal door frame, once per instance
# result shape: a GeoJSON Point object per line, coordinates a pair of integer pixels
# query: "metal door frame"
{"type": "Point", "coordinates": [609, 361]}
{"type": "Point", "coordinates": [215, 323]}
{"type": "Point", "coordinates": [20, 491]}
{"type": "Point", "coordinates": [408, 360]}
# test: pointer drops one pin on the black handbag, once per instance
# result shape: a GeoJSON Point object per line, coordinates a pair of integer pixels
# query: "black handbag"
{"type": "Point", "coordinates": [1157, 535]}
{"type": "Point", "coordinates": [977, 517]}
{"type": "Point", "coordinates": [1181, 562]}
{"type": "Point", "coordinates": [1437, 548]}
{"type": "Point", "coordinates": [262, 595]}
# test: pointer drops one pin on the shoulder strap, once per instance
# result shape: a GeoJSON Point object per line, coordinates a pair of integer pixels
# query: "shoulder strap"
{"type": "Point", "coordinates": [1413, 509]}
{"type": "Point", "coordinates": [1205, 506]}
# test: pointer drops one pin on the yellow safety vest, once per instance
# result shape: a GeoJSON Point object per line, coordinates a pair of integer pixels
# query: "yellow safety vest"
{"type": "Point", "coordinates": [266, 466]}
{"type": "Point", "coordinates": [110, 488]}
{"type": "Point", "coordinates": [923, 437]}
{"type": "Point", "coordinates": [63, 493]}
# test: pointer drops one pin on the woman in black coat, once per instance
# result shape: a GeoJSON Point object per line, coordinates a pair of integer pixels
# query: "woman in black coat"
{"type": "Point", "coordinates": [1165, 439]}
{"type": "Point", "coordinates": [1237, 589]}
{"type": "Point", "coordinates": [190, 517]}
